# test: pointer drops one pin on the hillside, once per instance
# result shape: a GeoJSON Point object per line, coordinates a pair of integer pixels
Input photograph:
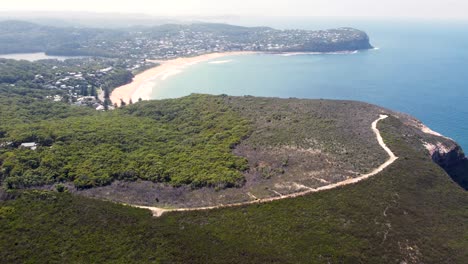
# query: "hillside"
{"type": "Point", "coordinates": [410, 213]}
{"type": "Point", "coordinates": [204, 150]}
{"type": "Point", "coordinates": [209, 150]}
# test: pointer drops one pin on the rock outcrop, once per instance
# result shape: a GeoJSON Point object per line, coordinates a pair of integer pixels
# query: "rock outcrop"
{"type": "Point", "coordinates": [444, 151]}
{"type": "Point", "coordinates": [453, 160]}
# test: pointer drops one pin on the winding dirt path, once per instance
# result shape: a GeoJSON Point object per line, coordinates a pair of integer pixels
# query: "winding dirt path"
{"type": "Point", "coordinates": [392, 158]}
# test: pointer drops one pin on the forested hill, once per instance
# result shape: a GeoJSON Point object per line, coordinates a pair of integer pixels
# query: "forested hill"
{"type": "Point", "coordinates": [194, 151]}
{"type": "Point", "coordinates": [412, 212]}
{"type": "Point", "coordinates": [172, 40]}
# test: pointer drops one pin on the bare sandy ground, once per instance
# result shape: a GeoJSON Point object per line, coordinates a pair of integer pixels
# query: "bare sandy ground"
{"type": "Point", "coordinates": [392, 158]}
{"type": "Point", "coordinates": [141, 87]}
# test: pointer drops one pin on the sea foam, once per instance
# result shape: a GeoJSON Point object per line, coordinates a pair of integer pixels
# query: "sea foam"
{"type": "Point", "coordinates": [220, 62]}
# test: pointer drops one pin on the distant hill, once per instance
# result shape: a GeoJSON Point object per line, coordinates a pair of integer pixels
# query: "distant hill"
{"type": "Point", "coordinates": [171, 40]}
{"type": "Point", "coordinates": [26, 37]}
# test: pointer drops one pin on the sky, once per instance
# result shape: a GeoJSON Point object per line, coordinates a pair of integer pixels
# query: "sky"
{"type": "Point", "coordinates": [449, 9]}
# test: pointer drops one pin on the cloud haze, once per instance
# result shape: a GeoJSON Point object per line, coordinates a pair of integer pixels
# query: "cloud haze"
{"type": "Point", "coordinates": [361, 8]}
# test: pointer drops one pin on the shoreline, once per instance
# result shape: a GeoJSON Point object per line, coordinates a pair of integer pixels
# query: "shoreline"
{"type": "Point", "coordinates": [137, 88]}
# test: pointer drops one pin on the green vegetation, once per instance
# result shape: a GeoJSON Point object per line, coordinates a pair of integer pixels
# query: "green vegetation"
{"type": "Point", "coordinates": [187, 141]}
{"type": "Point", "coordinates": [412, 212]}
{"type": "Point", "coordinates": [80, 76]}
{"type": "Point", "coordinates": [27, 106]}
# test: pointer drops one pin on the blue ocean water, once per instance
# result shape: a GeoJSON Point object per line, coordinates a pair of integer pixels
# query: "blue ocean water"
{"type": "Point", "coordinates": [420, 68]}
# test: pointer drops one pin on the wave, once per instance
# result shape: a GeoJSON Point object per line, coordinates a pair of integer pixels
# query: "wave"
{"type": "Point", "coordinates": [318, 53]}
{"type": "Point", "coordinates": [220, 62]}
{"type": "Point", "coordinates": [170, 73]}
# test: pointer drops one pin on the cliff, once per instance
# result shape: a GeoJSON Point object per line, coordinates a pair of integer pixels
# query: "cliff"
{"type": "Point", "coordinates": [444, 151]}
{"type": "Point", "coordinates": [453, 160]}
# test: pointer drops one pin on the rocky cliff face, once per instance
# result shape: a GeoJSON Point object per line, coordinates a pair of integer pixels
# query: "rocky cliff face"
{"type": "Point", "coordinates": [452, 160]}
{"type": "Point", "coordinates": [445, 156]}
{"type": "Point", "coordinates": [444, 151]}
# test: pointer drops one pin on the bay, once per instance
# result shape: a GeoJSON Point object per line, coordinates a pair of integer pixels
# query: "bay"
{"type": "Point", "coordinates": [419, 67]}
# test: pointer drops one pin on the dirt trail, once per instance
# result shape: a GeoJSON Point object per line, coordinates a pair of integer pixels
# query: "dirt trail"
{"type": "Point", "coordinates": [392, 158]}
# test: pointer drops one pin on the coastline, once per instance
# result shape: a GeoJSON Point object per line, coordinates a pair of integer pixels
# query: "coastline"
{"type": "Point", "coordinates": [137, 88]}
{"type": "Point", "coordinates": [142, 88]}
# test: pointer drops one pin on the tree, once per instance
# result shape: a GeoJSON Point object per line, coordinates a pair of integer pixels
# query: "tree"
{"type": "Point", "coordinates": [84, 91]}
{"type": "Point", "coordinates": [107, 102]}
{"type": "Point", "coordinates": [60, 188]}
{"type": "Point", "coordinates": [93, 92]}
{"type": "Point", "coordinates": [66, 98]}
{"type": "Point", "coordinates": [106, 92]}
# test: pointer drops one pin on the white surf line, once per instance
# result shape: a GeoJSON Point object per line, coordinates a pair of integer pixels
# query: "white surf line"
{"type": "Point", "coordinates": [392, 158]}
{"type": "Point", "coordinates": [220, 62]}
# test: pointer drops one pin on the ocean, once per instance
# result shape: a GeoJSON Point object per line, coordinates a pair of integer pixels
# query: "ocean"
{"type": "Point", "coordinates": [419, 67]}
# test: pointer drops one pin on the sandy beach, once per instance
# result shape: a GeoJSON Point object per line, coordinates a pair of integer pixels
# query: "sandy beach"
{"type": "Point", "coordinates": [141, 87]}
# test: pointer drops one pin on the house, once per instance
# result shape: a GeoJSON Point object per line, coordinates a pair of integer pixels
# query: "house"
{"type": "Point", "coordinates": [29, 145]}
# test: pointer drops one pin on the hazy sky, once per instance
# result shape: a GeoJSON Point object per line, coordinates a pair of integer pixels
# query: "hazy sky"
{"type": "Point", "coordinates": [367, 8]}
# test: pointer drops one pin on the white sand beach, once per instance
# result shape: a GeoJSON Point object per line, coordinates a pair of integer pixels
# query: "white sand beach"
{"type": "Point", "coordinates": [141, 86]}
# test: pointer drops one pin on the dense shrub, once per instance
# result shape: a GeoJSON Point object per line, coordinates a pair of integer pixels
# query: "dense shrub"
{"type": "Point", "coordinates": [186, 141]}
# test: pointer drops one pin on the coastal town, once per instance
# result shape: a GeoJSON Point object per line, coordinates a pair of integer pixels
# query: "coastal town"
{"type": "Point", "coordinates": [92, 82]}
{"type": "Point", "coordinates": [194, 40]}
{"type": "Point", "coordinates": [81, 82]}
{"type": "Point", "coordinates": [107, 59]}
